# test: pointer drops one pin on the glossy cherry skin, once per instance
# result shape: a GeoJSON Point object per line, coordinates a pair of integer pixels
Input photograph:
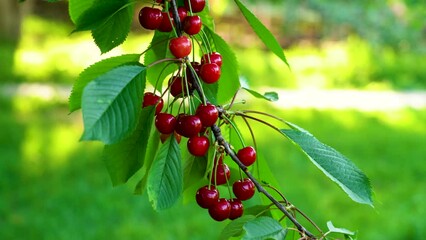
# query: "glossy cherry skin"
{"type": "Point", "coordinates": [192, 25]}
{"type": "Point", "coordinates": [198, 145]}
{"type": "Point", "coordinates": [206, 196]}
{"type": "Point", "coordinates": [188, 125]}
{"type": "Point", "coordinates": [182, 12]}
{"type": "Point", "coordinates": [165, 123]}
{"type": "Point", "coordinates": [208, 114]}
{"type": "Point", "coordinates": [247, 155]}
{"type": "Point", "coordinates": [213, 57]}
{"type": "Point", "coordinates": [196, 5]}
{"type": "Point", "coordinates": [210, 72]}
{"type": "Point", "coordinates": [164, 137]}
{"type": "Point", "coordinates": [180, 46]}
{"type": "Point", "coordinates": [220, 210]}
{"type": "Point", "coordinates": [177, 87]}
{"type": "Point", "coordinates": [243, 189]}
{"type": "Point", "coordinates": [166, 23]}
{"type": "Point", "coordinates": [237, 208]}
{"type": "Point", "coordinates": [150, 99]}
{"type": "Point", "coordinates": [150, 18]}
{"type": "Point", "coordinates": [196, 66]}
{"type": "Point", "coordinates": [223, 174]}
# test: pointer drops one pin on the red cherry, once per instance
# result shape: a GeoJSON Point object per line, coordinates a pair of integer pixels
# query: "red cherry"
{"type": "Point", "coordinates": [180, 46]}
{"type": "Point", "coordinates": [178, 86]}
{"type": "Point", "coordinates": [243, 189]}
{"type": "Point", "coordinates": [188, 125]}
{"type": "Point", "coordinates": [210, 72]}
{"type": "Point", "coordinates": [164, 137]}
{"type": "Point", "coordinates": [222, 174]}
{"type": "Point", "coordinates": [206, 196]}
{"type": "Point", "coordinates": [166, 23]}
{"type": "Point", "coordinates": [247, 155]}
{"type": "Point", "coordinates": [192, 25]}
{"type": "Point", "coordinates": [220, 210]}
{"type": "Point", "coordinates": [198, 146]}
{"type": "Point", "coordinates": [150, 18]}
{"type": "Point", "coordinates": [196, 5]}
{"type": "Point", "coordinates": [213, 57]}
{"type": "Point", "coordinates": [150, 99]}
{"type": "Point", "coordinates": [165, 123]}
{"type": "Point", "coordinates": [196, 67]}
{"type": "Point", "coordinates": [182, 12]}
{"type": "Point", "coordinates": [237, 208]}
{"type": "Point", "coordinates": [208, 114]}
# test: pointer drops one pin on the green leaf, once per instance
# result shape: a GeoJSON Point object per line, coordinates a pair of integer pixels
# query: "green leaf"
{"type": "Point", "coordinates": [165, 179]}
{"type": "Point", "coordinates": [333, 229]}
{"type": "Point", "coordinates": [269, 96]}
{"type": "Point", "coordinates": [229, 79]}
{"type": "Point", "coordinates": [235, 228]}
{"type": "Point", "coordinates": [112, 103]}
{"type": "Point", "coordinates": [125, 158]}
{"type": "Point", "coordinates": [95, 71]}
{"type": "Point", "coordinates": [114, 31]}
{"type": "Point", "coordinates": [333, 164]}
{"type": "Point", "coordinates": [194, 170]}
{"type": "Point", "coordinates": [264, 228]}
{"type": "Point", "coordinates": [262, 32]}
{"type": "Point", "coordinates": [206, 17]}
{"type": "Point", "coordinates": [77, 7]}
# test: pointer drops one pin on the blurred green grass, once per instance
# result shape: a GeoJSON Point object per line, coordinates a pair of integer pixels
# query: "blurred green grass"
{"type": "Point", "coordinates": [56, 188]}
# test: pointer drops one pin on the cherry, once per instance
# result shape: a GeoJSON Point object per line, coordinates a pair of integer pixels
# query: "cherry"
{"type": "Point", "coordinates": [208, 114]}
{"type": "Point", "coordinates": [165, 123]}
{"type": "Point", "coordinates": [210, 72]}
{"type": "Point", "coordinates": [180, 46]}
{"type": "Point", "coordinates": [220, 210]}
{"type": "Point", "coordinates": [192, 25]}
{"type": "Point", "coordinates": [150, 18]}
{"type": "Point", "coordinates": [196, 66]}
{"type": "Point", "coordinates": [243, 189]}
{"type": "Point", "coordinates": [206, 196]}
{"type": "Point", "coordinates": [188, 125]}
{"type": "Point", "coordinates": [164, 137]}
{"type": "Point", "coordinates": [177, 87]}
{"type": "Point", "coordinates": [198, 146]}
{"type": "Point", "coordinates": [213, 57]}
{"type": "Point", "coordinates": [247, 155]}
{"type": "Point", "coordinates": [150, 99]}
{"type": "Point", "coordinates": [196, 5]}
{"type": "Point", "coordinates": [166, 23]}
{"type": "Point", "coordinates": [237, 208]}
{"type": "Point", "coordinates": [182, 12]}
{"type": "Point", "coordinates": [222, 174]}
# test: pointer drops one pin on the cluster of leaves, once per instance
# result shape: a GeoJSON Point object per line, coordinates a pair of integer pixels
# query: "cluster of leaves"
{"type": "Point", "coordinates": [110, 94]}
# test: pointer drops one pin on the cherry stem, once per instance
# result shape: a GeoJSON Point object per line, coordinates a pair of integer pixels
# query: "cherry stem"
{"type": "Point", "coordinates": [222, 142]}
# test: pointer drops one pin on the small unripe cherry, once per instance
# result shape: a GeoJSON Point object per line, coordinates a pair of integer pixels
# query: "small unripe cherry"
{"type": "Point", "coordinates": [180, 46]}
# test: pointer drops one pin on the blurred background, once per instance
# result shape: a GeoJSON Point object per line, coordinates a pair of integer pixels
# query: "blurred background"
{"type": "Point", "coordinates": [357, 82]}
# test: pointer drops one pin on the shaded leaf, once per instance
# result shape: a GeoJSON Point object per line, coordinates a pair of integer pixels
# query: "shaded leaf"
{"type": "Point", "coordinates": [194, 170]}
{"type": "Point", "coordinates": [264, 228]}
{"type": "Point", "coordinates": [262, 32]}
{"type": "Point", "coordinates": [235, 228]}
{"type": "Point", "coordinates": [112, 103]}
{"type": "Point", "coordinates": [333, 164]}
{"type": "Point", "coordinates": [95, 71]}
{"type": "Point", "coordinates": [165, 179]}
{"type": "Point", "coordinates": [125, 158]}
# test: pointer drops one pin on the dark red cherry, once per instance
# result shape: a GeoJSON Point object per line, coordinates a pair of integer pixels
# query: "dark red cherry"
{"type": "Point", "coordinates": [180, 46]}
{"type": "Point", "coordinates": [196, 67]}
{"type": "Point", "coordinates": [150, 18]}
{"type": "Point", "coordinates": [178, 86]}
{"type": "Point", "coordinates": [210, 72]}
{"type": "Point", "coordinates": [206, 196]}
{"type": "Point", "coordinates": [213, 57]}
{"type": "Point", "coordinates": [208, 114]}
{"type": "Point", "coordinates": [166, 23]}
{"type": "Point", "coordinates": [182, 12]}
{"type": "Point", "coordinates": [237, 208]}
{"type": "Point", "coordinates": [247, 155]}
{"type": "Point", "coordinates": [198, 146]}
{"type": "Point", "coordinates": [221, 174]}
{"type": "Point", "coordinates": [243, 189]}
{"type": "Point", "coordinates": [165, 123]}
{"type": "Point", "coordinates": [150, 99]}
{"type": "Point", "coordinates": [188, 125]}
{"type": "Point", "coordinates": [220, 210]}
{"type": "Point", "coordinates": [192, 25]}
{"type": "Point", "coordinates": [196, 5]}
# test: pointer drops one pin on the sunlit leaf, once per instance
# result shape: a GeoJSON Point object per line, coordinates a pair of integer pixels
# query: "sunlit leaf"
{"type": "Point", "coordinates": [333, 229]}
{"type": "Point", "coordinates": [269, 96]}
{"type": "Point", "coordinates": [77, 7]}
{"type": "Point", "coordinates": [333, 164]}
{"type": "Point", "coordinates": [111, 104]}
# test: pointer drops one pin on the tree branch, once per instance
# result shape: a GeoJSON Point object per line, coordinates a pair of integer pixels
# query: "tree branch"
{"type": "Point", "coordinates": [221, 141]}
